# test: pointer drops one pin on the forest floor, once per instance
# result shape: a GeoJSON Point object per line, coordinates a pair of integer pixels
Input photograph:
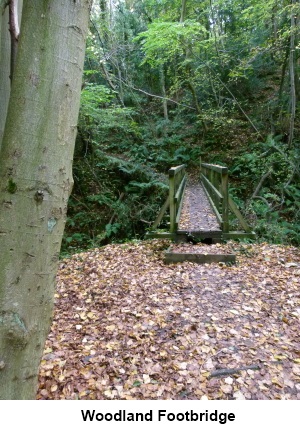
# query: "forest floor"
{"type": "Point", "coordinates": [128, 326]}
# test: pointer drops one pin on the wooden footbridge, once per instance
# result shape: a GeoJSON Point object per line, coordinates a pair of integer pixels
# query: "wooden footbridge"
{"type": "Point", "coordinates": [200, 210]}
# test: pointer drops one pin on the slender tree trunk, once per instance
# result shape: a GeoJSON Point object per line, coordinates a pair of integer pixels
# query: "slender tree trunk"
{"type": "Point", "coordinates": [189, 81]}
{"type": "Point", "coordinates": [5, 61]}
{"type": "Point", "coordinates": [4, 68]}
{"type": "Point", "coordinates": [283, 72]}
{"type": "Point", "coordinates": [14, 34]}
{"type": "Point", "coordinates": [120, 85]}
{"type": "Point", "coordinates": [35, 182]}
{"type": "Point", "coordinates": [106, 41]}
{"type": "Point", "coordinates": [111, 84]}
{"type": "Point", "coordinates": [292, 78]}
{"type": "Point", "coordinates": [183, 10]}
{"type": "Point", "coordinates": [297, 58]}
{"type": "Point", "coordinates": [163, 90]}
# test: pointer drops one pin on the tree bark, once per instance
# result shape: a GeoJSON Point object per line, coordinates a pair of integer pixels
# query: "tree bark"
{"type": "Point", "coordinates": [35, 182]}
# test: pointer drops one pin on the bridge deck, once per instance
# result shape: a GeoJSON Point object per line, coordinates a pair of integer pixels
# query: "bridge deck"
{"type": "Point", "coordinates": [197, 215]}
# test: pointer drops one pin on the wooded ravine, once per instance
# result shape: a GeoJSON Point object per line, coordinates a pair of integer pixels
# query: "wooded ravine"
{"type": "Point", "coordinates": [166, 83]}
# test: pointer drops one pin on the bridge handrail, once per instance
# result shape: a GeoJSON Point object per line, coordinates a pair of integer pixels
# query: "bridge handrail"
{"type": "Point", "coordinates": [177, 182]}
{"type": "Point", "coordinates": [175, 170]}
{"type": "Point", "coordinates": [215, 183]}
{"type": "Point", "coordinates": [214, 167]}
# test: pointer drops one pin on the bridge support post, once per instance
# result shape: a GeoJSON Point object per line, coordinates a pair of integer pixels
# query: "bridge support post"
{"type": "Point", "coordinates": [172, 201]}
{"type": "Point", "coordinates": [225, 204]}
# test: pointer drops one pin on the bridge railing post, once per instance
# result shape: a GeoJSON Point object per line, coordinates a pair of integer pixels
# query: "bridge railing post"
{"type": "Point", "coordinates": [177, 180]}
{"type": "Point", "coordinates": [225, 200]}
{"type": "Point", "coordinates": [172, 201]}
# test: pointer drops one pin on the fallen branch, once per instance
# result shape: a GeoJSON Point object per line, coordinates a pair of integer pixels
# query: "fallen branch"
{"type": "Point", "coordinates": [224, 372]}
{"type": "Point", "coordinates": [262, 199]}
{"type": "Point", "coordinates": [147, 222]}
{"type": "Point", "coordinates": [260, 184]}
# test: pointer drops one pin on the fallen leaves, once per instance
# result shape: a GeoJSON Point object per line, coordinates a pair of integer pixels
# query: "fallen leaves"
{"type": "Point", "coordinates": [126, 326]}
{"type": "Point", "coordinates": [197, 213]}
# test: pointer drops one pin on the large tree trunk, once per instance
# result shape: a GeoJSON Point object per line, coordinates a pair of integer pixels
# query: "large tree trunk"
{"type": "Point", "coordinates": [36, 180]}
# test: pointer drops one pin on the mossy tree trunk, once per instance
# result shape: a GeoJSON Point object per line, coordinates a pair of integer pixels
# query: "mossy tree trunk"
{"type": "Point", "coordinates": [36, 180]}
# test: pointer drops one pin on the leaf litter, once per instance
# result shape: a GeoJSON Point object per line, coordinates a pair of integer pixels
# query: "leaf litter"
{"type": "Point", "coordinates": [127, 326]}
{"type": "Point", "coordinates": [197, 213]}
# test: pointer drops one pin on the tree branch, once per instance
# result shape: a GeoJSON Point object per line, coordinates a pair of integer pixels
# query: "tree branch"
{"type": "Point", "coordinates": [156, 96]}
{"type": "Point", "coordinates": [262, 199]}
{"type": "Point", "coordinates": [262, 179]}
{"type": "Point", "coordinates": [14, 33]}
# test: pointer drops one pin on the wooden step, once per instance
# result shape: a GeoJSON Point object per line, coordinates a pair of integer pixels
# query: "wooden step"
{"type": "Point", "coordinates": [176, 257]}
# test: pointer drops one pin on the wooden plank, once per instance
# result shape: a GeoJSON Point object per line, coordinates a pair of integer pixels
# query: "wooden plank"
{"type": "Point", "coordinates": [173, 257]}
{"type": "Point", "coordinates": [172, 204]}
{"type": "Point", "coordinates": [159, 235]}
{"type": "Point", "coordinates": [175, 185]}
{"type": "Point", "coordinates": [174, 170]}
{"type": "Point", "coordinates": [217, 213]}
{"type": "Point", "coordinates": [180, 206]}
{"type": "Point", "coordinates": [211, 187]}
{"type": "Point", "coordinates": [239, 235]}
{"type": "Point", "coordinates": [201, 234]}
{"type": "Point", "coordinates": [214, 167]}
{"type": "Point", "coordinates": [161, 213]}
{"type": "Point", "coordinates": [178, 178]}
{"type": "Point", "coordinates": [181, 187]}
{"type": "Point", "coordinates": [225, 204]}
{"type": "Point", "coordinates": [238, 214]}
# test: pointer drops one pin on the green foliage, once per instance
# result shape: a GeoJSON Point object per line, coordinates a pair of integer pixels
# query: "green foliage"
{"type": "Point", "coordinates": [145, 187]}
{"type": "Point", "coordinates": [274, 210]}
{"type": "Point", "coordinates": [12, 186]}
{"type": "Point", "coordinates": [112, 229]}
{"type": "Point", "coordinates": [165, 40]}
{"type": "Point", "coordinates": [93, 97]}
{"type": "Point", "coordinates": [113, 200]}
{"type": "Point", "coordinates": [101, 120]}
